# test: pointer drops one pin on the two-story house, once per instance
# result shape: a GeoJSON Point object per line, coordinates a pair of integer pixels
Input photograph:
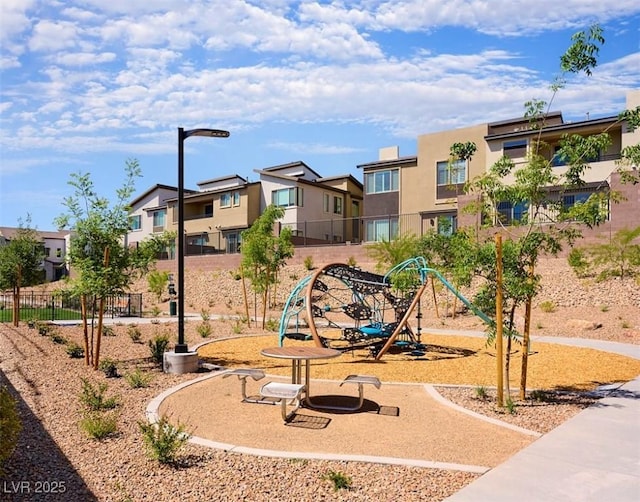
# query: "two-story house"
{"type": "Point", "coordinates": [318, 210]}
{"type": "Point", "coordinates": [216, 214]}
{"type": "Point", "coordinates": [148, 212]}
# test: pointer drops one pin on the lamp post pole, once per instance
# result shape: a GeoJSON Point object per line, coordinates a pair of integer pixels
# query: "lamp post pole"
{"type": "Point", "coordinates": [181, 346]}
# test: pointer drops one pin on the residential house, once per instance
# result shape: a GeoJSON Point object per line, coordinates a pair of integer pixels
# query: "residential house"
{"type": "Point", "coordinates": [55, 245]}
{"type": "Point", "coordinates": [416, 194]}
{"type": "Point", "coordinates": [318, 210]}
{"type": "Point", "coordinates": [216, 214]}
{"type": "Point", "coordinates": [384, 192]}
{"type": "Point", "coordinates": [148, 213]}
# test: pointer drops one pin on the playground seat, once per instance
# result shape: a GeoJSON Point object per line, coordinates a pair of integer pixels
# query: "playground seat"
{"type": "Point", "coordinates": [243, 374]}
{"type": "Point", "coordinates": [361, 381]}
{"type": "Point", "coordinates": [283, 392]}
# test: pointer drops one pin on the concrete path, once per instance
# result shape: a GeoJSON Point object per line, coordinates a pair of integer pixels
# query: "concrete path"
{"type": "Point", "coordinates": [595, 456]}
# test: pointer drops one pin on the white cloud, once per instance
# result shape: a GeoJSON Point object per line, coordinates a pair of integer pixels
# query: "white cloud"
{"type": "Point", "coordinates": [83, 58]}
{"type": "Point", "coordinates": [49, 36]}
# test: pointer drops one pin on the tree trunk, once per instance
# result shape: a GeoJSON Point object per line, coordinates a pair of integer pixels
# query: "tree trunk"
{"type": "Point", "coordinates": [244, 295]}
{"type": "Point", "coordinates": [499, 327]}
{"type": "Point", "coordinates": [525, 343]}
{"type": "Point", "coordinates": [16, 299]}
{"type": "Point", "coordinates": [87, 350]}
{"type": "Point", "coordinates": [96, 357]}
{"type": "Point", "coordinates": [435, 300]}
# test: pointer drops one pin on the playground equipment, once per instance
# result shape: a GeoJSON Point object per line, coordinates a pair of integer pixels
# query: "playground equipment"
{"type": "Point", "coordinates": [345, 308]}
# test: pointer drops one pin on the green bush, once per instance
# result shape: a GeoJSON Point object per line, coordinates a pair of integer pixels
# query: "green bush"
{"type": "Point", "coordinates": [578, 261]}
{"type": "Point", "coordinates": [138, 379]}
{"type": "Point", "coordinates": [163, 439]}
{"type": "Point", "coordinates": [75, 351]}
{"type": "Point", "coordinates": [10, 425]}
{"type": "Point", "coordinates": [340, 481]}
{"type": "Point", "coordinates": [204, 329]}
{"type": "Point", "coordinates": [58, 338]}
{"type": "Point", "coordinates": [134, 333]}
{"type": "Point", "coordinates": [94, 399]}
{"type": "Point", "coordinates": [308, 262]}
{"type": "Point", "coordinates": [272, 324]}
{"type": "Point", "coordinates": [99, 425]}
{"type": "Point", "coordinates": [108, 367]}
{"type": "Point", "coordinates": [158, 282]}
{"type": "Point", "coordinates": [157, 345]}
{"type": "Point", "coordinates": [108, 331]}
{"type": "Point", "coordinates": [548, 306]}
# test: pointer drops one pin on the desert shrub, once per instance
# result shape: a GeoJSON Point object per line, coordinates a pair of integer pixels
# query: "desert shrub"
{"type": "Point", "coordinates": [134, 333]}
{"type": "Point", "coordinates": [340, 481]}
{"type": "Point", "coordinates": [481, 393]}
{"type": "Point", "coordinates": [108, 331]}
{"type": "Point", "coordinates": [58, 338]}
{"type": "Point", "coordinates": [163, 439]}
{"type": "Point", "coordinates": [10, 425]}
{"type": "Point", "coordinates": [94, 398]}
{"type": "Point", "coordinates": [108, 367]}
{"type": "Point", "coordinates": [351, 261]}
{"type": "Point", "coordinates": [138, 379]}
{"type": "Point", "coordinates": [158, 345]}
{"type": "Point", "coordinates": [548, 306]}
{"type": "Point", "coordinates": [578, 261]}
{"type": "Point", "coordinates": [74, 350]}
{"type": "Point", "coordinates": [308, 262]}
{"type": "Point", "coordinates": [204, 329]}
{"type": "Point", "coordinates": [99, 425]}
{"type": "Point", "coordinates": [272, 324]}
{"type": "Point", "coordinates": [155, 311]}
{"type": "Point", "coordinates": [204, 313]}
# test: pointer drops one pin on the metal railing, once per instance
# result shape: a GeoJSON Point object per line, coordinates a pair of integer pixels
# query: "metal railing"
{"type": "Point", "coordinates": [64, 307]}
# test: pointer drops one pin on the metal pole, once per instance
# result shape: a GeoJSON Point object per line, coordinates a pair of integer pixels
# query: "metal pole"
{"type": "Point", "coordinates": [181, 347]}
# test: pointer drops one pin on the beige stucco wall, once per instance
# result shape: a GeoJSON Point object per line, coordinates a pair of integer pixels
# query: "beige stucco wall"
{"type": "Point", "coordinates": [418, 184]}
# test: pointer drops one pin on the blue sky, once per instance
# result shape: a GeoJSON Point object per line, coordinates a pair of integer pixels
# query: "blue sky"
{"type": "Point", "coordinates": [88, 84]}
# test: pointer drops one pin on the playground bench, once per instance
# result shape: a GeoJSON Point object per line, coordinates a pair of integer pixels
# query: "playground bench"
{"type": "Point", "coordinates": [361, 381]}
{"type": "Point", "coordinates": [283, 392]}
{"type": "Point", "coordinates": [243, 374]}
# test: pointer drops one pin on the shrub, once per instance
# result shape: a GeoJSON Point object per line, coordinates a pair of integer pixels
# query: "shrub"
{"type": "Point", "coordinates": [163, 439]}
{"type": "Point", "coordinates": [75, 351]}
{"type": "Point", "coordinates": [158, 282]}
{"type": "Point", "coordinates": [108, 331]}
{"type": "Point", "coordinates": [351, 261]}
{"type": "Point", "coordinates": [510, 406]}
{"type": "Point", "coordinates": [58, 338]}
{"type": "Point", "coordinates": [155, 311]}
{"type": "Point", "coordinates": [99, 425]}
{"type": "Point", "coordinates": [108, 367]}
{"type": "Point", "coordinates": [481, 393]}
{"type": "Point", "coordinates": [10, 425]}
{"type": "Point", "coordinates": [94, 399]}
{"type": "Point", "coordinates": [157, 345]}
{"type": "Point", "coordinates": [134, 333]}
{"type": "Point", "coordinates": [339, 480]}
{"type": "Point", "coordinates": [204, 313]}
{"type": "Point", "coordinates": [138, 379]}
{"type": "Point", "coordinates": [548, 306]}
{"type": "Point", "coordinates": [43, 328]}
{"type": "Point", "coordinates": [578, 262]}
{"type": "Point", "coordinates": [308, 262]}
{"type": "Point", "coordinates": [204, 329]}
{"type": "Point", "coordinates": [272, 324]}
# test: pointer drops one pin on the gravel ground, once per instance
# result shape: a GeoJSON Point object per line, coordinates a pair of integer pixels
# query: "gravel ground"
{"type": "Point", "coordinates": [54, 454]}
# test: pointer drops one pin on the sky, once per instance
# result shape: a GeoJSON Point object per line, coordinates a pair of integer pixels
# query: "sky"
{"type": "Point", "coordinates": [86, 85]}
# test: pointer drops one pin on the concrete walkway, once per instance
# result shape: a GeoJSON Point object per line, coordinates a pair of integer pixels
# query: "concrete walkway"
{"type": "Point", "coordinates": [594, 456]}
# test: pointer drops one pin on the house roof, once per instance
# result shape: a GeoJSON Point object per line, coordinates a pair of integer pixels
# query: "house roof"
{"type": "Point", "coordinates": [341, 177]}
{"type": "Point", "coordinates": [149, 191]}
{"type": "Point", "coordinates": [10, 232]}
{"type": "Point", "coordinates": [222, 178]}
{"type": "Point", "coordinates": [564, 126]}
{"type": "Point", "coordinates": [298, 163]}
{"type": "Point", "coordinates": [399, 162]}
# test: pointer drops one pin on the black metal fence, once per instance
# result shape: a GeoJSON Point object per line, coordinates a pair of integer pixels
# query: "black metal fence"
{"type": "Point", "coordinates": [64, 307]}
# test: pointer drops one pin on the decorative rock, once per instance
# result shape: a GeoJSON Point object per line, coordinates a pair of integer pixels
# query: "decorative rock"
{"type": "Point", "coordinates": [582, 324]}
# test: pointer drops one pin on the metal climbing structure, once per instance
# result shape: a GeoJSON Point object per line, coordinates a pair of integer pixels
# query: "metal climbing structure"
{"type": "Point", "coordinates": [346, 308]}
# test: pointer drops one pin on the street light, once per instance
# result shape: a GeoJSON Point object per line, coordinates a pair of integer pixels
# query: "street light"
{"type": "Point", "coordinates": [181, 347]}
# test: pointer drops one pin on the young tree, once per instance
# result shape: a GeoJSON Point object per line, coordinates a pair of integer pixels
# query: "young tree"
{"type": "Point", "coordinates": [21, 264]}
{"type": "Point", "coordinates": [263, 253]}
{"type": "Point", "coordinates": [103, 265]}
{"type": "Point", "coordinates": [532, 236]}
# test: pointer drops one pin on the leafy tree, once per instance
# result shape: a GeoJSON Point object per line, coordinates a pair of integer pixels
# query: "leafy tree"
{"type": "Point", "coordinates": [619, 257]}
{"type": "Point", "coordinates": [157, 281]}
{"type": "Point", "coordinates": [264, 254]}
{"type": "Point", "coordinates": [21, 264]}
{"type": "Point", "coordinates": [389, 253]}
{"type": "Point", "coordinates": [104, 266]}
{"type": "Point", "coordinates": [530, 237]}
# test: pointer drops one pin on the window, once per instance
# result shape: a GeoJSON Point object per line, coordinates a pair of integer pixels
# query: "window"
{"type": "Point", "coordinates": [447, 224]}
{"type": "Point", "coordinates": [515, 149]}
{"type": "Point", "coordinates": [337, 205]}
{"type": "Point", "coordinates": [382, 230]}
{"type": "Point", "coordinates": [47, 251]}
{"type": "Point", "coordinates": [58, 252]}
{"type": "Point", "coordinates": [208, 210]}
{"type": "Point", "coordinates": [236, 198]}
{"type": "Point", "coordinates": [573, 199]}
{"type": "Point", "coordinates": [158, 220]}
{"type": "Point", "coordinates": [325, 202]}
{"type": "Point", "coordinates": [225, 200]}
{"type": "Point", "coordinates": [135, 222]}
{"type": "Point", "coordinates": [287, 197]}
{"type": "Point", "coordinates": [452, 173]}
{"type": "Point", "coordinates": [381, 181]}
{"type": "Point", "coordinates": [508, 213]}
